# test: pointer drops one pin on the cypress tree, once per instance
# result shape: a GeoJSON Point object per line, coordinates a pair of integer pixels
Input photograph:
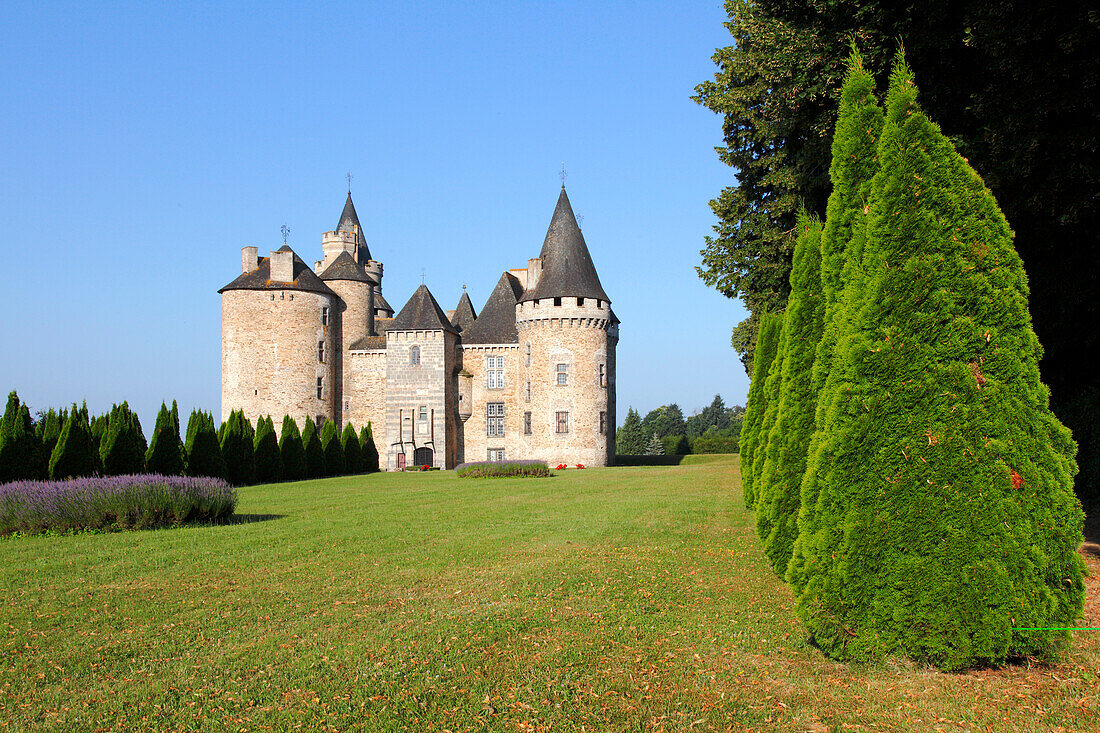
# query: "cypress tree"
{"type": "Point", "coordinates": [291, 453]}
{"type": "Point", "coordinates": [74, 455]}
{"type": "Point", "coordinates": [266, 451]}
{"type": "Point", "coordinates": [334, 451]}
{"type": "Point", "coordinates": [50, 430]}
{"type": "Point", "coordinates": [21, 452]}
{"type": "Point", "coordinates": [771, 410]}
{"type": "Point", "coordinates": [854, 163]}
{"type": "Point", "coordinates": [779, 494]}
{"type": "Point", "coordinates": [369, 451]}
{"type": "Point", "coordinates": [165, 453]}
{"type": "Point", "coordinates": [315, 454]}
{"type": "Point", "coordinates": [352, 454]}
{"type": "Point", "coordinates": [204, 452]}
{"type": "Point", "coordinates": [767, 342]}
{"type": "Point", "coordinates": [236, 445]}
{"type": "Point", "coordinates": [122, 450]}
{"type": "Point", "coordinates": [949, 477]}
{"type": "Point", "coordinates": [98, 427]}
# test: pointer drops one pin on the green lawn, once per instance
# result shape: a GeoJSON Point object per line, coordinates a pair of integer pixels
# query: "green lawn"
{"type": "Point", "coordinates": [603, 599]}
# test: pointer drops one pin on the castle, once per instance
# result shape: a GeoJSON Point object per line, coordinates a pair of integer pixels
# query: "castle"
{"type": "Point", "coordinates": [530, 377]}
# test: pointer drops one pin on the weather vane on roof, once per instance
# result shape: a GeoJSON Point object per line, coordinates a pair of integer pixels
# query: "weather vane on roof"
{"type": "Point", "coordinates": [421, 275]}
{"type": "Point", "coordinates": [286, 232]}
{"type": "Point", "coordinates": [349, 176]}
{"type": "Point", "coordinates": [562, 174]}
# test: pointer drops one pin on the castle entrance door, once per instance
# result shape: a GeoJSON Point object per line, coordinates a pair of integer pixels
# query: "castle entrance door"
{"type": "Point", "coordinates": [400, 461]}
{"type": "Point", "coordinates": [423, 456]}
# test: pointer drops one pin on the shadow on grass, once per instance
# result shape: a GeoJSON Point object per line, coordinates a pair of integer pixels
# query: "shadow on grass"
{"type": "Point", "coordinates": [649, 460]}
{"type": "Point", "coordinates": [249, 518]}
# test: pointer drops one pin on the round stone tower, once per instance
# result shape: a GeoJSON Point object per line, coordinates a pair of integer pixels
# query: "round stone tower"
{"type": "Point", "coordinates": [278, 340]}
{"type": "Point", "coordinates": [353, 318]}
{"type": "Point", "coordinates": [567, 339]}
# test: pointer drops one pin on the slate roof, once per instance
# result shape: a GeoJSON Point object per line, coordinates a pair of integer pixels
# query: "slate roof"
{"type": "Point", "coordinates": [497, 322]}
{"type": "Point", "coordinates": [567, 268]}
{"type": "Point", "coordinates": [380, 302]}
{"type": "Point", "coordinates": [464, 316]}
{"type": "Point", "coordinates": [260, 278]}
{"type": "Point", "coordinates": [348, 217]}
{"type": "Point", "coordinates": [344, 267]}
{"type": "Point", "coordinates": [421, 313]}
{"type": "Point", "coordinates": [369, 342]}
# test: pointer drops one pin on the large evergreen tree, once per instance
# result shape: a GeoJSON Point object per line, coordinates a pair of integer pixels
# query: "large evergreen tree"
{"type": "Point", "coordinates": [123, 448]}
{"type": "Point", "coordinates": [74, 455]}
{"type": "Point", "coordinates": [204, 452]}
{"type": "Point", "coordinates": [369, 451]}
{"type": "Point", "coordinates": [21, 452]}
{"type": "Point", "coordinates": [757, 403]}
{"type": "Point", "coordinates": [165, 453]}
{"type": "Point", "coordinates": [352, 454]}
{"type": "Point", "coordinates": [49, 429]}
{"type": "Point", "coordinates": [949, 481]}
{"type": "Point", "coordinates": [779, 492]}
{"type": "Point", "coordinates": [631, 439]}
{"type": "Point", "coordinates": [314, 452]}
{"type": "Point", "coordinates": [236, 445]}
{"type": "Point", "coordinates": [265, 448]}
{"type": "Point", "coordinates": [291, 452]}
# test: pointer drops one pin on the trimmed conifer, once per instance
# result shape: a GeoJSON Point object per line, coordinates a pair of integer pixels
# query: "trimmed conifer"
{"type": "Point", "coordinates": [266, 451]}
{"type": "Point", "coordinates": [74, 455]}
{"type": "Point", "coordinates": [369, 449]}
{"type": "Point", "coordinates": [949, 478]}
{"type": "Point", "coordinates": [50, 430]}
{"type": "Point", "coordinates": [122, 450]}
{"type": "Point", "coordinates": [779, 492]}
{"type": "Point", "coordinates": [236, 445]}
{"type": "Point", "coordinates": [352, 454]}
{"type": "Point", "coordinates": [854, 164]}
{"type": "Point", "coordinates": [314, 452]}
{"type": "Point", "coordinates": [21, 452]}
{"type": "Point", "coordinates": [771, 411]}
{"type": "Point", "coordinates": [334, 450]}
{"type": "Point", "coordinates": [203, 450]}
{"type": "Point", "coordinates": [165, 453]}
{"type": "Point", "coordinates": [767, 343]}
{"type": "Point", "coordinates": [291, 453]}
{"type": "Point", "coordinates": [98, 427]}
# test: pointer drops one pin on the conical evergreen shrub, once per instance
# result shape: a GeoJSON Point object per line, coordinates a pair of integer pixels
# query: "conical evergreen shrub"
{"type": "Point", "coordinates": [123, 448]}
{"type": "Point", "coordinates": [21, 452]}
{"type": "Point", "coordinates": [334, 450]}
{"type": "Point", "coordinates": [780, 490]}
{"type": "Point", "coordinates": [266, 451]}
{"type": "Point", "coordinates": [74, 455]}
{"type": "Point", "coordinates": [352, 454]}
{"type": "Point", "coordinates": [98, 427]}
{"type": "Point", "coordinates": [291, 453]}
{"type": "Point", "coordinates": [165, 453]}
{"type": "Point", "coordinates": [204, 451]}
{"type": "Point", "coordinates": [369, 451]}
{"type": "Point", "coordinates": [854, 163]}
{"type": "Point", "coordinates": [314, 452]}
{"type": "Point", "coordinates": [771, 412]}
{"type": "Point", "coordinates": [49, 429]}
{"type": "Point", "coordinates": [630, 439]}
{"type": "Point", "coordinates": [949, 478]}
{"type": "Point", "coordinates": [655, 447]}
{"type": "Point", "coordinates": [236, 445]}
{"type": "Point", "coordinates": [767, 343]}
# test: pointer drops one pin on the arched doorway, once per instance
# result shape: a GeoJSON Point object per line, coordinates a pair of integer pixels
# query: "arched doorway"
{"type": "Point", "coordinates": [423, 456]}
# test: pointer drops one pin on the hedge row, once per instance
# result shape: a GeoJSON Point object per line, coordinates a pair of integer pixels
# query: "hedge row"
{"type": "Point", "coordinates": [908, 476]}
{"type": "Point", "coordinates": [502, 469]}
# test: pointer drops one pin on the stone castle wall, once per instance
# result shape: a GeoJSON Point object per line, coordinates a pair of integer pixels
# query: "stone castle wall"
{"type": "Point", "coordinates": [270, 360]}
{"type": "Point", "coordinates": [365, 394]}
{"type": "Point", "coordinates": [475, 439]}
{"type": "Point", "coordinates": [409, 387]}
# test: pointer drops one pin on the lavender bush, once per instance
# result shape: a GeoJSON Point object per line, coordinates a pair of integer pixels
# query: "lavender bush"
{"type": "Point", "coordinates": [493, 469]}
{"type": "Point", "coordinates": [113, 503]}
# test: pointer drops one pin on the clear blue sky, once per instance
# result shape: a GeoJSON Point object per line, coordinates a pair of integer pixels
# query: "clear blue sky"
{"type": "Point", "coordinates": [144, 144]}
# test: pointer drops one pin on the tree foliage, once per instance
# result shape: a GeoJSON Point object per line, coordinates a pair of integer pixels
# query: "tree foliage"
{"type": "Point", "coordinates": [204, 452]}
{"type": "Point", "coordinates": [291, 451]}
{"type": "Point", "coordinates": [265, 451]}
{"type": "Point", "coordinates": [333, 448]}
{"type": "Point", "coordinates": [21, 453]}
{"type": "Point", "coordinates": [123, 448]}
{"type": "Point", "coordinates": [368, 450]}
{"type": "Point", "coordinates": [352, 453]}
{"type": "Point", "coordinates": [314, 452]}
{"type": "Point", "coordinates": [74, 455]}
{"type": "Point", "coordinates": [630, 438]}
{"type": "Point", "coordinates": [237, 449]}
{"type": "Point", "coordinates": [165, 453]}
{"type": "Point", "coordinates": [757, 403]}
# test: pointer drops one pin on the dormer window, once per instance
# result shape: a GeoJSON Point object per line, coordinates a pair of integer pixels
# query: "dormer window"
{"type": "Point", "coordinates": [557, 301]}
{"type": "Point", "coordinates": [580, 301]}
{"type": "Point", "coordinates": [414, 355]}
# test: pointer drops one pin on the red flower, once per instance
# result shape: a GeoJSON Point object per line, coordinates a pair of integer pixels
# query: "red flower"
{"type": "Point", "coordinates": [580, 465]}
{"type": "Point", "coordinates": [1017, 479]}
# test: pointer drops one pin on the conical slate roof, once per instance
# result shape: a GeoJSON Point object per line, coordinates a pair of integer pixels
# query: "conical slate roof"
{"type": "Point", "coordinates": [348, 219]}
{"type": "Point", "coordinates": [421, 313]}
{"type": "Point", "coordinates": [464, 316]}
{"type": "Point", "coordinates": [380, 302]}
{"type": "Point", "coordinates": [344, 267]}
{"type": "Point", "coordinates": [260, 278]}
{"type": "Point", "coordinates": [497, 322]}
{"type": "Point", "coordinates": [567, 268]}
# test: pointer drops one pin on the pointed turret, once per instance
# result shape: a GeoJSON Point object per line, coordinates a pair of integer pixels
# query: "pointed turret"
{"type": "Point", "coordinates": [464, 315]}
{"type": "Point", "coordinates": [349, 222]}
{"type": "Point", "coordinates": [421, 313]}
{"type": "Point", "coordinates": [567, 269]}
{"type": "Point", "coordinates": [497, 323]}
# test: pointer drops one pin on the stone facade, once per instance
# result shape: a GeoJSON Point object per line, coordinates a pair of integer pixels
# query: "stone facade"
{"type": "Point", "coordinates": [532, 377]}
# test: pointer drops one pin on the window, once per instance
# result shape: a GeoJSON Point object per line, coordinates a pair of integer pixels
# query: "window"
{"type": "Point", "coordinates": [494, 372]}
{"type": "Point", "coordinates": [324, 315]}
{"type": "Point", "coordinates": [528, 354]}
{"type": "Point", "coordinates": [347, 405]}
{"type": "Point", "coordinates": [603, 423]}
{"type": "Point", "coordinates": [580, 301]}
{"type": "Point", "coordinates": [563, 422]}
{"type": "Point", "coordinates": [414, 355]}
{"type": "Point", "coordinates": [320, 387]}
{"type": "Point", "coordinates": [557, 301]}
{"type": "Point", "coordinates": [563, 373]}
{"type": "Point", "coordinates": [422, 420]}
{"type": "Point", "coordinates": [494, 419]}
{"type": "Point", "coordinates": [321, 351]}
{"type": "Point", "coordinates": [528, 390]}
{"type": "Point", "coordinates": [603, 375]}
{"type": "Point", "coordinates": [291, 296]}
{"type": "Point", "coordinates": [527, 423]}
{"type": "Point", "coordinates": [496, 455]}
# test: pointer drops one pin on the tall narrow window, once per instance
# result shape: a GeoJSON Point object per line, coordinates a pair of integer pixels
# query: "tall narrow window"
{"type": "Point", "coordinates": [562, 422]}
{"type": "Point", "coordinates": [321, 351]}
{"type": "Point", "coordinates": [528, 354]}
{"type": "Point", "coordinates": [563, 373]}
{"type": "Point", "coordinates": [494, 372]}
{"type": "Point", "coordinates": [527, 423]}
{"type": "Point", "coordinates": [422, 420]}
{"type": "Point", "coordinates": [557, 301]}
{"type": "Point", "coordinates": [324, 315]}
{"type": "Point", "coordinates": [603, 423]}
{"type": "Point", "coordinates": [580, 301]}
{"type": "Point", "coordinates": [528, 390]}
{"type": "Point", "coordinates": [494, 419]}
{"type": "Point", "coordinates": [603, 375]}
{"type": "Point", "coordinates": [320, 387]}
{"type": "Point", "coordinates": [414, 355]}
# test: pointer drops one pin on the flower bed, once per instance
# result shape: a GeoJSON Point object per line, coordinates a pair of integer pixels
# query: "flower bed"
{"type": "Point", "coordinates": [113, 503]}
{"type": "Point", "coordinates": [493, 469]}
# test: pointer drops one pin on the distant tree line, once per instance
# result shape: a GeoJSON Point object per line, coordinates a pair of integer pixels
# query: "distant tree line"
{"type": "Point", "coordinates": [70, 443]}
{"type": "Point", "coordinates": [665, 431]}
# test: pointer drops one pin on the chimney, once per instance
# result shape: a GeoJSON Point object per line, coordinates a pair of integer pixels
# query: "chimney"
{"type": "Point", "coordinates": [534, 271]}
{"type": "Point", "coordinates": [282, 267]}
{"type": "Point", "coordinates": [250, 259]}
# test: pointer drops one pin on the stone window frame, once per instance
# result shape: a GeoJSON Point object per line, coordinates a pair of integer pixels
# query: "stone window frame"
{"type": "Point", "coordinates": [494, 419]}
{"type": "Point", "coordinates": [562, 422]}
{"type": "Point", "coordinates": [320, 388]}
{"type": "Point", "coordinates": [603, 422]}
{"type": "Point", "coordinates": [603, 375]}
{"type": "Point", "coordinates": [494, 372]}
{"type": "Point", "coordinates": [422, 420]}
{"type": "Point", "coordinates": [528, 391]}
{"type": "Point", "coordinates": [527, 423]}
{"type": "Point", "coordinates": [561, 369]}
{"type": "Point", "coordinates": [321, 351]}
{"type": "Point", "coordinates": [495, 455]}
{"type": "Point", "coordinates": [414, 355]}
{"type": "Point", "coordinates": [324, 315]}
{"type": "Point", "coordinates": [528, 362]}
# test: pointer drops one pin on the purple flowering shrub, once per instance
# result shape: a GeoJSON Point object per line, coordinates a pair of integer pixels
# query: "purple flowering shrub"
{"type": "Point", "coordinates": [113, 503]}
{"type": "Point", "coordinates": [501, 469]}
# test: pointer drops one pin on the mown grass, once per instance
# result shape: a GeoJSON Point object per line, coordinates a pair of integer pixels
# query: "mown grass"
{"type": "Point", "coordinates": [604, 599]}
